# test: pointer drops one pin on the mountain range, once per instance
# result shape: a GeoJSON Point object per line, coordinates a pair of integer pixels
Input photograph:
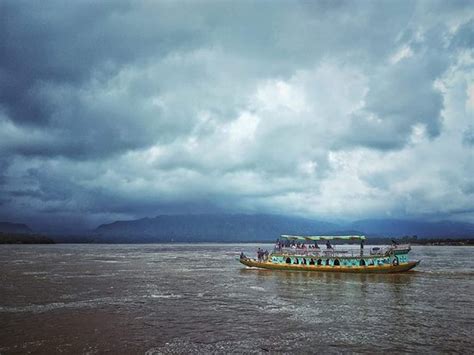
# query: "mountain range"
{"type": "Point", "coordinates": [248, 228]}
{"type": "Point", "coordinates": [259, 227]}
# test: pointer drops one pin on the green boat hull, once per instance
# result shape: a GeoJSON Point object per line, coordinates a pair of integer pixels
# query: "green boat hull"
{"type": "Point", "coordinates": [367, 269]}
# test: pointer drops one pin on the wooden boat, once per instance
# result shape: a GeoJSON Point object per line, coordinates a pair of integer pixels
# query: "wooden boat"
{"type": "Point", "coordinates": [302, 253]}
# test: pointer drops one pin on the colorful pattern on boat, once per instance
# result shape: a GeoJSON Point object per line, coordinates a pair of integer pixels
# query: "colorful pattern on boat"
{"type": "Point", "coordinates": [295, 256]}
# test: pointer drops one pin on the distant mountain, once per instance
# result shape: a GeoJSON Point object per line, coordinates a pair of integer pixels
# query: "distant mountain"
{"type": "Point", "coordinates": [399, 227]}
{"type": "Point", "coordinates": [260, 227]}
{"type": "Point", "coordinates": [8, 227]}
{"type": "Point", "coordinates": [206, 227]}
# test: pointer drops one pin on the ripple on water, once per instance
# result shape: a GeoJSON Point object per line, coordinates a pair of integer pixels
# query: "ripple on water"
{"type": "Point", "coordinates": [42, 308]}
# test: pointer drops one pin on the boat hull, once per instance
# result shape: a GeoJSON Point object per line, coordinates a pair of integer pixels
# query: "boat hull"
{"type": "Point", "coordinates": [370, 269]}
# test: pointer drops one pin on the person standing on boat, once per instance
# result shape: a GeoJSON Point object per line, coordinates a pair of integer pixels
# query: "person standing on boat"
{"type": "Point", "coordinates": [278, 245]}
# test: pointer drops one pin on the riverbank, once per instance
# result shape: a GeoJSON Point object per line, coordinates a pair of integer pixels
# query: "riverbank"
{"type": "Point", "coordinates": [445, 242]}
{"type": "Point", "coordinates": [15, 238]}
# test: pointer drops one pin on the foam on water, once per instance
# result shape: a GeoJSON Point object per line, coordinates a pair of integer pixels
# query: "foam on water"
{"type": "Point", "coordinates": [166, 296]}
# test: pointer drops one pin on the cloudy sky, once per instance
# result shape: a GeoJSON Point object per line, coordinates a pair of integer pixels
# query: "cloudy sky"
{"type": "Point", "coordinates": [327, 109]}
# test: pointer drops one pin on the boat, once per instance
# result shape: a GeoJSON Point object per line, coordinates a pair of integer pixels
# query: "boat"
{"type": "Point", "coordinates": [302, 253]}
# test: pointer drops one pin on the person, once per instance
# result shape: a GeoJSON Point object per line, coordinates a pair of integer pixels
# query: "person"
{"type": "Point", "coordinates": [242, 255]}
{"type": "Point", "coordinates": [278, 244]}
{"type": "Point", "coordinates": [265, 255]}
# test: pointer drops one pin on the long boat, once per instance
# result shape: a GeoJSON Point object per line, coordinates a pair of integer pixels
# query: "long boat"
{"type": "Point", "coordinates": [302, 253]}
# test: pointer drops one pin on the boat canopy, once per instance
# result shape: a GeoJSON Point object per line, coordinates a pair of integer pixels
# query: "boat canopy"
{"type": "Point", "coordinates": [323, 237]}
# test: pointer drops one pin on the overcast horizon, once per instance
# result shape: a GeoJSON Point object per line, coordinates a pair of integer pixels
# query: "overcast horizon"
{"type": "Point", "coordinates": [332, 110]}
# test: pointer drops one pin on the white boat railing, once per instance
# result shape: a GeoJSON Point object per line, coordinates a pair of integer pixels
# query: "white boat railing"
{"type": "Point", "coordinates": [333, 252]}
{"type": "Point", "coordinates": [316, 252]}
{"type": "Point", "coordinates": [388, 249]}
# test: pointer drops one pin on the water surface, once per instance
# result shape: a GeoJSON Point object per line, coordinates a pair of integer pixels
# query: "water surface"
{"type": "Point", "coordinates": [183, 298]}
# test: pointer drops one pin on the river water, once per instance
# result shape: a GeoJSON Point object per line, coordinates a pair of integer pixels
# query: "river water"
{"type": "Point", "coordinates": [197, 298]}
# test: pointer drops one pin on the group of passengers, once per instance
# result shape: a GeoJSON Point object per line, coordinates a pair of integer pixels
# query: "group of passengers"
{"type": "Point", "coordinates": [280, 244]}
{"type": "Point", "coordinates": [262, 255]}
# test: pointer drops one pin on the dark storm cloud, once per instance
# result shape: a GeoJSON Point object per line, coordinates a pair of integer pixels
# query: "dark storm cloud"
{"type": "Point", "coordinates": [120, 109]}
{"type": "Point", "coordinates": [468, 136]}
{"type": "Point", "coordinates": [55, 56]}
{"type": "Point", "coordinates": [404, 94]}
{"type": "Point", "coordinates": [464, 37]}
{"type": "Point", "coordinates": [52, 51]}
{"type": "Point", "coordinates": [43, 43]}
{"type": "Point", "coordinates": [50, 54]}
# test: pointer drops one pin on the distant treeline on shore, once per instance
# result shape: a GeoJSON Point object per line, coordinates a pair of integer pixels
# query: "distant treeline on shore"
{"type": "Point", "coordinates": [444, 242]}
{"type": "Point", "coordinates": [414, 240]}
{"type": "Point", "coordinates": [20, 238]}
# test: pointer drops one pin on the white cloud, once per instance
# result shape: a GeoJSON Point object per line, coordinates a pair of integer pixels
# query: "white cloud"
{"type": "Point", "coordinates": [403, 52]}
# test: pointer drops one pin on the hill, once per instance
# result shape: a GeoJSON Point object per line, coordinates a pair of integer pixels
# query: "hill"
{"type": "Point", "coordinates": [8, 227]}
{"type": "Point", "coordinates": [209, 228]}
{"type": "Point", "coordinates": [263, 227]}
{"type": "Point", "coordinates": [244, 228]}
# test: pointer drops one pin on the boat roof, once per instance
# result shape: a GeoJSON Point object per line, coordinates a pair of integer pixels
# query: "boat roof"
{"type": "Point", "coordinates": [323, 237]}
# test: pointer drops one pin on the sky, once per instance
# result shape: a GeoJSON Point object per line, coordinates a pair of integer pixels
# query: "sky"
{"type": "Point", "coordinates": [335, 110]}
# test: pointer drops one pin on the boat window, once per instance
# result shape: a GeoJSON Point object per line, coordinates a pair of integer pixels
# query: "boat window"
{"type": "Point", "coordinates": [362, 262]}
{"type": "Point", "coordinates": [288, 260]}
{"type": "Point", "coordinates": [296, 261]}
{"type": "Point", "coordinates": [336, 262]}
{"type": "Point", "coordinates": [311, 262]}
{"type": "Point", "coordinates": [304, 261]}
{"type": "Point", "coordinates": [319, 262]}
{"type": "Point", "coordinates": [327, 261]}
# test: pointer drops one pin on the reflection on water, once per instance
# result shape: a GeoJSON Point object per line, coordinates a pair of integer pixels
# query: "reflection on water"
{"type": "Point", "coordinates": [197, 298]}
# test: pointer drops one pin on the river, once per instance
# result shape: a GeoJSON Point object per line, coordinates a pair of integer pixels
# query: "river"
{"type": "Point", "coordinates": [197, 298]}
